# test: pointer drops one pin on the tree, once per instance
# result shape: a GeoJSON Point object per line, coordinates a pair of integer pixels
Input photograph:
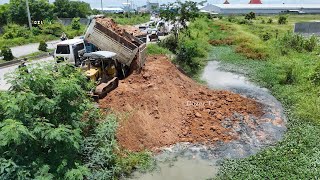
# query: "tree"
{"type": "Point", "coordinates": [75, 24]}
{"type": "Point", "coordinates": [40, 10]}
{"type": "Point", "coordinates": [180, 13]}
{"type": "Point", "coordinates": [4, 14]}
{"type": "Point", "coordinates": [71, 9]}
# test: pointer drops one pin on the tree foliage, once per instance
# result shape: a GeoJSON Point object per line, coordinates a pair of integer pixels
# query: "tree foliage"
{"type": "Point", "coordinates": [39, 10]}
{"type": "Point", "coordinates": [71, 9]}
{"type": "Point", "coordinates": [49, 128]}
{"type": "Point", "coordinates": [179, 13]}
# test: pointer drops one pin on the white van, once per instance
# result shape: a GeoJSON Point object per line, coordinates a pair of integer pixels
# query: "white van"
{"type": "Point", "coordinates": [70, 50]}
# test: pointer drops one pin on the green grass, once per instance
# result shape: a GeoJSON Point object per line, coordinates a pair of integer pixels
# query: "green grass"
{"type": "Point", "coordinates": [132, 19]}
{"type": "Point", "coordinates": [154, 49]}
{"type": "Point", "coordinates": [297, 155]}
{"type": "Point", "coordinates": [46, 37]}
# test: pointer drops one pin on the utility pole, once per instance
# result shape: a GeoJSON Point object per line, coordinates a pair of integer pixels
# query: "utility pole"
{"type": "Point", "coordinates": [101, 6]}
{"type": "Point", "coordinates": [29, 17]}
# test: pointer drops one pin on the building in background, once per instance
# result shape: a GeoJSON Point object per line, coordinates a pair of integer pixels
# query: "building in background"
{"type": "Point", "coordinates": [116, 10]}
{"type": "Point", "coordinates": [152, 6]}
{"type": "Point", "coordinates": [257, 7]}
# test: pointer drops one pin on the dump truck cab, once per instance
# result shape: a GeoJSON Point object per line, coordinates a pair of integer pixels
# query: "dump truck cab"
{"type": "Point", "coordinates": [70, 51]}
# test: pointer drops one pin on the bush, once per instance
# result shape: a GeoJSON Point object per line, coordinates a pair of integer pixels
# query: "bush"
{"type": "Point", "coordinates": [36, 31]}
{"type": "Point", "coordinates": [311, 43]}
{"type": "Point", "coordinates": [245, 21]}
{"type": "Point", "coordinates": [315, 77]}
{"type": "Point", "coordinates": [170, 43]}
{"type": "Point", "coordinates": [270, 21]}
{"type": "Point", "coordinates": [13, 31]}
{"type": "Point", "coordinates": [75, 24]}
{"type": "Point", "coordinates": [6, 53]}
{"type": "Point", "coordinates": [263, 21]}
{"type": "Point", "coordinates": [53, 28]}
{"type": "Point", "coordinates": [266, 36]}
{"type": "Point", "coordinates": [43, 46]}
{"type": "Point", "coordinates": [250, 16]}
{"type": "Point", "coordinates": [282, 20]}
{"type": "Point", "coordinates": [297, 42]}
{"type": "Point", "coordinates": [188, 54]}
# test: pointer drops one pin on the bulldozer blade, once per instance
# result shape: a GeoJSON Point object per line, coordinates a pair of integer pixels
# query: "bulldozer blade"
{"type": "Point", "coordinates": [104, 88]}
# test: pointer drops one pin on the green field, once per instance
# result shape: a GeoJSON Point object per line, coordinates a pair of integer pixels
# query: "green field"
{"type": "Point", "coordinates": [293, 76]}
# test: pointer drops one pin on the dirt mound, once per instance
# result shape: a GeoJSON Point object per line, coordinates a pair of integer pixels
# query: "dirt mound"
{"type": "Point", "coordinates": [133, 30]}
{"type": "Point", "coordinates": [163, 107]}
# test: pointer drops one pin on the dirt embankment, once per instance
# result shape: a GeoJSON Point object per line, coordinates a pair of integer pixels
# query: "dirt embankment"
{"type": "Point", "coordinates": [164, 106]}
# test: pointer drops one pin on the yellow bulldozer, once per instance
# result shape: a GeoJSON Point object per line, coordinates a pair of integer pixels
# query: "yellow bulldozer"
{"type": "Point", "coordinates": [102, 69]}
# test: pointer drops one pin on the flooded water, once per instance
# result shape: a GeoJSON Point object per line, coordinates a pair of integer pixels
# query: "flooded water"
{"type": "Point", "coordinates": [197, 161]}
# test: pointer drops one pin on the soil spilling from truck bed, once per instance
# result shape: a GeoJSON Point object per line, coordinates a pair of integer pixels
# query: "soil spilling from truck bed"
{"type": "Point", "coordinates": [120, 29]}
{"type": "Point", "coordinates": [161, 106]}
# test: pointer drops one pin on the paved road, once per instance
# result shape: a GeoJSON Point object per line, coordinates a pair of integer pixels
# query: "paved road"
{"type": "Point", "coordinates": [27, 49]}
{"type": "Point", "coordinates": [7, 70]}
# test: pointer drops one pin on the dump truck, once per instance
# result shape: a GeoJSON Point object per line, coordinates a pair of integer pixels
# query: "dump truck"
{"type": "Point", "coordinates": [105, 34]}
{"type": "Point", "coordinates": [119, 52]}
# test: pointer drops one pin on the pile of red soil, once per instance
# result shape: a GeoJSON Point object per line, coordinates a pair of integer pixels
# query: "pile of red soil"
{"type": "Point", "coordinates": [163, 107]}
{"type": "Point", "coordinates": [119, 29]}
{"type": "Point", "coordinates": [133, 30]}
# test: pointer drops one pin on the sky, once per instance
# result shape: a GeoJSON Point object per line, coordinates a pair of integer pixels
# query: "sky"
{"type": "Point", "coordinates": [117, 3]}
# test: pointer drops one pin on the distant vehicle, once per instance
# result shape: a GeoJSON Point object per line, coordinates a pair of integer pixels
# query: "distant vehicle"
{"type": "Point", "coordinates": [153, 35]}
{"type": "Point", "coordinates": [70, 50]}
{"type": "Point", "coordinates": [163, 28]}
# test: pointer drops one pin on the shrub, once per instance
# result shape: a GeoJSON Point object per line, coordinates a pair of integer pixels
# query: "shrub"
{"type": "Point", "coordinates": [245, 21]}
{"type": "Point", "coordinates": [13, 31]}
{"type": "Point", "coordinates": [36, 31]}
{"type": "Point", "coordinates": [297, 42]}
{"type": "Point", "coordinates": [250, 16]}
{"type": "Point", "coordinates": [52, 28]}
{"type": "Point", "coordinates": [43, 46]}
{"type": "Point", "coordinates": [270, 21]}
{"type": "Point", "coordinates": [231, 18]}
{"type": "Point", "coordinates": [6, 53]}
{"type": "Point", "coordinates": [75, 24]}
{"type": "Point", "coordinates": [266, 36]}
{"type": "Point", "coordinates": [188, 54]}
{"type": "Point", "coordinates": [315, 77]}
{"type": "Point", "coordinates": [282, 20]}
{"type": "Point", "coordinates": [263, 21]}
{"type": "Point", "coordinates": [311, 43]}
{"type": "Point", "coordinates": [170, 43]}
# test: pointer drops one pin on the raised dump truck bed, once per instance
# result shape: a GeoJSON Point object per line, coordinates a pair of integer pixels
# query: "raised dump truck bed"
{"type": "Point", "coordinates": [108, 36]}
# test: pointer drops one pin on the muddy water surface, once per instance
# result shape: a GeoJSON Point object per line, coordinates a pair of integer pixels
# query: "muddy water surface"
{"type": "Point", "coordinates": [196, 161]}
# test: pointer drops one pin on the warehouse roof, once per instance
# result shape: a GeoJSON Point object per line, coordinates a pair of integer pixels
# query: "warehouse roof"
{"type": "Point", "coordinates": [267, 6]}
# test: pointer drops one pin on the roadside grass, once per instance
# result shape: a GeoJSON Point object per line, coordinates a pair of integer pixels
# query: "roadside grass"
{"type": "Point", "coordinates": [154, 49]}
{"type": "Point", "coordinates": [71, 33]}
{"type": "Point", "coordinates": [289, 79]}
